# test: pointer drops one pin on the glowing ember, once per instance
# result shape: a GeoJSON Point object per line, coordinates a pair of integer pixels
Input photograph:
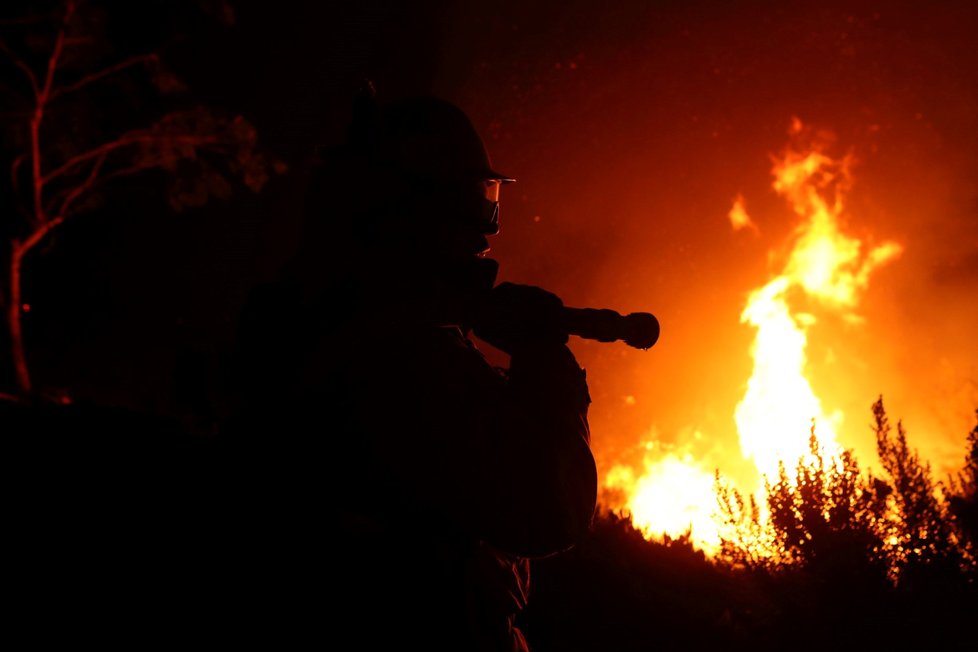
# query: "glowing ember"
{"type": "Point", "coordinates": [775, 416]}
{"type": "Point", "coordinates": [739, 219]}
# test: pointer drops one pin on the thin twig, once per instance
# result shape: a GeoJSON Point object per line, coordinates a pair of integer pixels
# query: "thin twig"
{"type": "Point", "coordinates": [13, 170]}
{"type": "Point", "coordinates": [123, 141]}
{"type": "Point", "coordinates": [20, 63]}
{"type": "Point", "coordinates": [39, 234]}
{"type": "Point", "coordinates": [40, 105]}
{"type": "Point", "coordinates": [103, 149]}
{"type": "Point", "coordinates": [95, 76]}
{"type": "Point", "coordinates": [132, 169]}
{"type": "Point", "coordinates": [55, 57]}
{"type": "Point", "coordinates": [99, 180]}
{"type": "Point", "coordinates": [82, 188]}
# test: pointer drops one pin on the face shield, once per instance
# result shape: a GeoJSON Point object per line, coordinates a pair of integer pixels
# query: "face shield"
{"type": "Point", "coordinates": [470, 205]}
{"type": "Point", "coordinates": [490, 205]}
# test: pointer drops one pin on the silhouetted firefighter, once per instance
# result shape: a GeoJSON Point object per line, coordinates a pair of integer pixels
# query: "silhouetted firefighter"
{"type": "Point", "coordinates": [394, 469]}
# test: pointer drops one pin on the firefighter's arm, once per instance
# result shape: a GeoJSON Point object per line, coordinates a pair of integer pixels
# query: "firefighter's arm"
{"type": "Point", "coordinates": [543, 419]}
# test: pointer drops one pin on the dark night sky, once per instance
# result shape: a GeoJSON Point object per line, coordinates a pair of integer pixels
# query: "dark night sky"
{"type": "Point", "coordinates": [630, 127]}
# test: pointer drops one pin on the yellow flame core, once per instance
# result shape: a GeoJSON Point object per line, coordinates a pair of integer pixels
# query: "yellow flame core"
{"type": "Point", "coordinates": [779, 402]}
{"type": "Point", "coordinates": [779, 406]}
{"type": "Point", "coordinates": [673, 496]}
{"type": "Point", "coordinates": [774, 417]}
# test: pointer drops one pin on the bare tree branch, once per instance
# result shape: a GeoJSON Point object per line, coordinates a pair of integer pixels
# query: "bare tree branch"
{"type": "Point", "coordinates": [82, 188]}
{"type": "Point", "coordinates": [55, 58]}
{"type": "Point", "coordinates": [96, 152]}
{"type": "Point", "coordinates": [20, 63]}
{"type": "Point", "coordinates": [39, 107]}
{"type": "Point", "coordinates": [126, 171]}
{"type": "Point", "coordinates": [66, 172]}
{"type": "Point", "coordinates": [38, 234]}
{"type": "Point", "coordinates": [125, 141]}
{"type": "Point", "coordinates": [95, 76]}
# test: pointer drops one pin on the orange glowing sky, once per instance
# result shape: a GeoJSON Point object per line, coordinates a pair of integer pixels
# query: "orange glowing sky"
{"type": "Point", "coordinates": [630, 152]}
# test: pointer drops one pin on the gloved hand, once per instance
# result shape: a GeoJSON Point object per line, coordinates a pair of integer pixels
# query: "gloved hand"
{"type": "Point", "coordinates": [516, 318]}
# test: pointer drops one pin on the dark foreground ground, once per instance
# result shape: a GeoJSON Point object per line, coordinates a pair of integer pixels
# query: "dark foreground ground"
{"type": "Point", "coordinates": [121, 528]}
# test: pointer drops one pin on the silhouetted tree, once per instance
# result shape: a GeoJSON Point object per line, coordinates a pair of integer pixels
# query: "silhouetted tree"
{"type": "Point", "coordinates": [746, 539]}
{"type": "Point", "coordinates": [880, 557]}
{"type": "Point", "coordinates": [82, 117]}
{"type": "Point", "coordinates": [921, 541]}
{"type": "Point", "coordinates": [825, 512]}
{"type": "Point", "coordinates": [964, 493]}
{"type": "Point", "coordinates": [819, 560]}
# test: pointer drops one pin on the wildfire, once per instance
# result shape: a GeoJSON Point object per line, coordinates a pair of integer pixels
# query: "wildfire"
{"type": "Point", "coordinates": [673, 495]}
{"type": "Point", "coordinates": [776, 413]}
{"type": "Point", "coordinates": [774, 417]}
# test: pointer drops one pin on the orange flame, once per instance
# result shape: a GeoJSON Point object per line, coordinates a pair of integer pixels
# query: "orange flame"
{"type": "Point", "coordinates": [673, 496]}
{"type": "Point", "coordinates": [739, 219]}
{"type": "Point", "coordinates": [775, 415]}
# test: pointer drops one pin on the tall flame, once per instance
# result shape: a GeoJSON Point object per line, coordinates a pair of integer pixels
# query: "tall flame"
{"type": "Point", "coordinates": [776, 413]}
{"type": "Point", "coordinates": [774, 416]}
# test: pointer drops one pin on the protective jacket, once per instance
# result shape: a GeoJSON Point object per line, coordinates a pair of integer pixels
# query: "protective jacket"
{"type": "Point", "coordinates": [431, 476]}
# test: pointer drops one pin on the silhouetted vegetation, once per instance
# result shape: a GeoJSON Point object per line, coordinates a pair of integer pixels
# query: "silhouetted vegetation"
{"type": "Point", "coordinates": [834, 556]}
{"type": "Point", "coordinates": [964, 492]}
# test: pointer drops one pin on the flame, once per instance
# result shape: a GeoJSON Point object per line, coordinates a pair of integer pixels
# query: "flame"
{"type": "Point", "coordinates": [739, 219]}
{"type": "Point", "coordinates": [779, 402]}
{"type": "Point", "coordinates": [673, 496]}
{"type": "Point", "coordinates": [775, 416]}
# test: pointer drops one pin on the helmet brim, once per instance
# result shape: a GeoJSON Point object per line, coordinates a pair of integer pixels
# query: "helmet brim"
{"type": "Point", "coordinates": [498, 176]}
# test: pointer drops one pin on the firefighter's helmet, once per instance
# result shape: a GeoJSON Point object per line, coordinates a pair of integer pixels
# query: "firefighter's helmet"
{"type": "Point", "coordinates": [426, 137]}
